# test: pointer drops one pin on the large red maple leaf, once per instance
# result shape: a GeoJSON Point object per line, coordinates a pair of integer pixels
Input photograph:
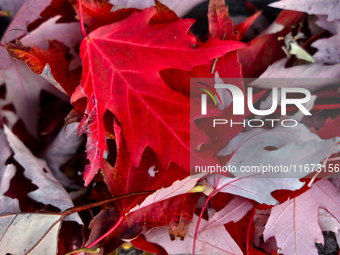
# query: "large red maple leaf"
{"type": "Point", "coordinates": [121, 73]}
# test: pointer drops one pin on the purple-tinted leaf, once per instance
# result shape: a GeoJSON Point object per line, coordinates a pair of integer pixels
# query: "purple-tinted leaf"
{"type": "Point", "coordinates": [295, 222]}
{"type": "Point", "coordinates": [233, 211]}
{"type": "Point", "coordinates": [212, 241]}
{"type": "Point", "coordinates": [29, 12]}
{"type": "Point", "coordinates": [63, 148]}
{"type": "Point", "coordinates": [67, 33]}
{"type": "Point", "coordinates": [7, 204]}
{"type": "Point", "coordinates": [49, 189]}
{"type": "Point", "coordinates": [29, 233]}
{"type": "Point", "coordinates": [177, 188]}
{"type": "Point", "coordinates": [328, 50]}
{"type": "Point", "coordinates": [293, 146]}
{"type": "Point", "coordinates": [178, 6]}
{"type": "Point", "coordinates": [325, 7]}
{"type": "Point", "coordinates": [332, 26]}
{"type": "Point", "coordinates": [23, 90]}
{"type": "Point", "coordinates": [12, 6]}
{"type": "Point", "coordinates": [315, 76]}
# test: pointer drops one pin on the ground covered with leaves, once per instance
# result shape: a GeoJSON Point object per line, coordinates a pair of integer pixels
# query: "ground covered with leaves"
{"type": "Point", "coordinates": [99, 129]}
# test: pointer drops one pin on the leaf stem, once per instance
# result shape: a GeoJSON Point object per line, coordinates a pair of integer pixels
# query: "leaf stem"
{"type": "Point", "coordinates": [103, 202]}
{"type": "Point", "coordinates": [199, 220]}
{"type": "Point", "coordinates": [248, 230]}
{"type": "Point", "coordinates": [81, 19]}
{"type": "Point", "coordinates": [206, 203]}
{"type": "Point", "coordinates": [107, 233]}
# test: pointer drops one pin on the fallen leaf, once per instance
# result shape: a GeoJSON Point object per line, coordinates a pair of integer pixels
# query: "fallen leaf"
{"type": "Point", "coordinates": [213, 241]}
{"type": "Point", "coordinates": [164, 15]}
{"type": "Point", "coordinates": [177, 188]}
{"type": "Point", "coordinates": [327, 221]}
{"type": "Point", "coordinates": [314, 76]}
{"type": "Point", "coordinates": [295, 223]}
{"type": "Point", "coordinates": [175, 213]}
{"type": "Point", "coordinates": [29, 12]}
{"type": "Point", "coordinates": [293, 147]}
{"type": "Point", "coordinates": [328, 50]}
{"type": "Point", "coordinates": [180, 7]}
{"type": "Point", "coordinates": [265, 49]}
{"type": "Point", "coordinates": [12, 6]}
{"type": "Point", "coordinates": [67, 33]}
{"type": "Point", "coordinates": [49, 189]}
{"type": "Point", "coordinates": [260, 220]}
{"type": "Point", "coordinates": [243, 27]}
{"type": "Point", "coordinates": [233, 211]}
{"type": "Point", "coordinates": [63, 148]}
{"type": "Point", "coordinates": [296, 50]}
{"type": "Point", "coordinates": [326, 7]}
{"type": "Point", "coordinates": [330, 129]}
{"type": "Point", "coordinates": [333, 26]}
{"type": "Point", "coordinates": [7, 204]}
{"type": "Point", "coordinates": [220, 25]}
{"type": "Point", "coordinates": [29, 233]}
{"type": "Point", "coordinates": [61, 8]}
{"type": "Point", "coordinates": [242, 231]}
{"type": "Point", "coordinates": [98, 13]}
{"type": "Point", "coordinates": [167, 46]}
{"type": "Point", "coordinates": [23, 90]}
{"type": "Point", "coordinates": [221, 135]}
{"type": "Point", "coordinates": [141, 243]}
{"type": "Point", "coordinates": [52, 64]}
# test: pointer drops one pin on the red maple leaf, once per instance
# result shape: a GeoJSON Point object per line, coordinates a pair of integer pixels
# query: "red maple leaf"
{"type": "Point", "coordinates": [121, 64]}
